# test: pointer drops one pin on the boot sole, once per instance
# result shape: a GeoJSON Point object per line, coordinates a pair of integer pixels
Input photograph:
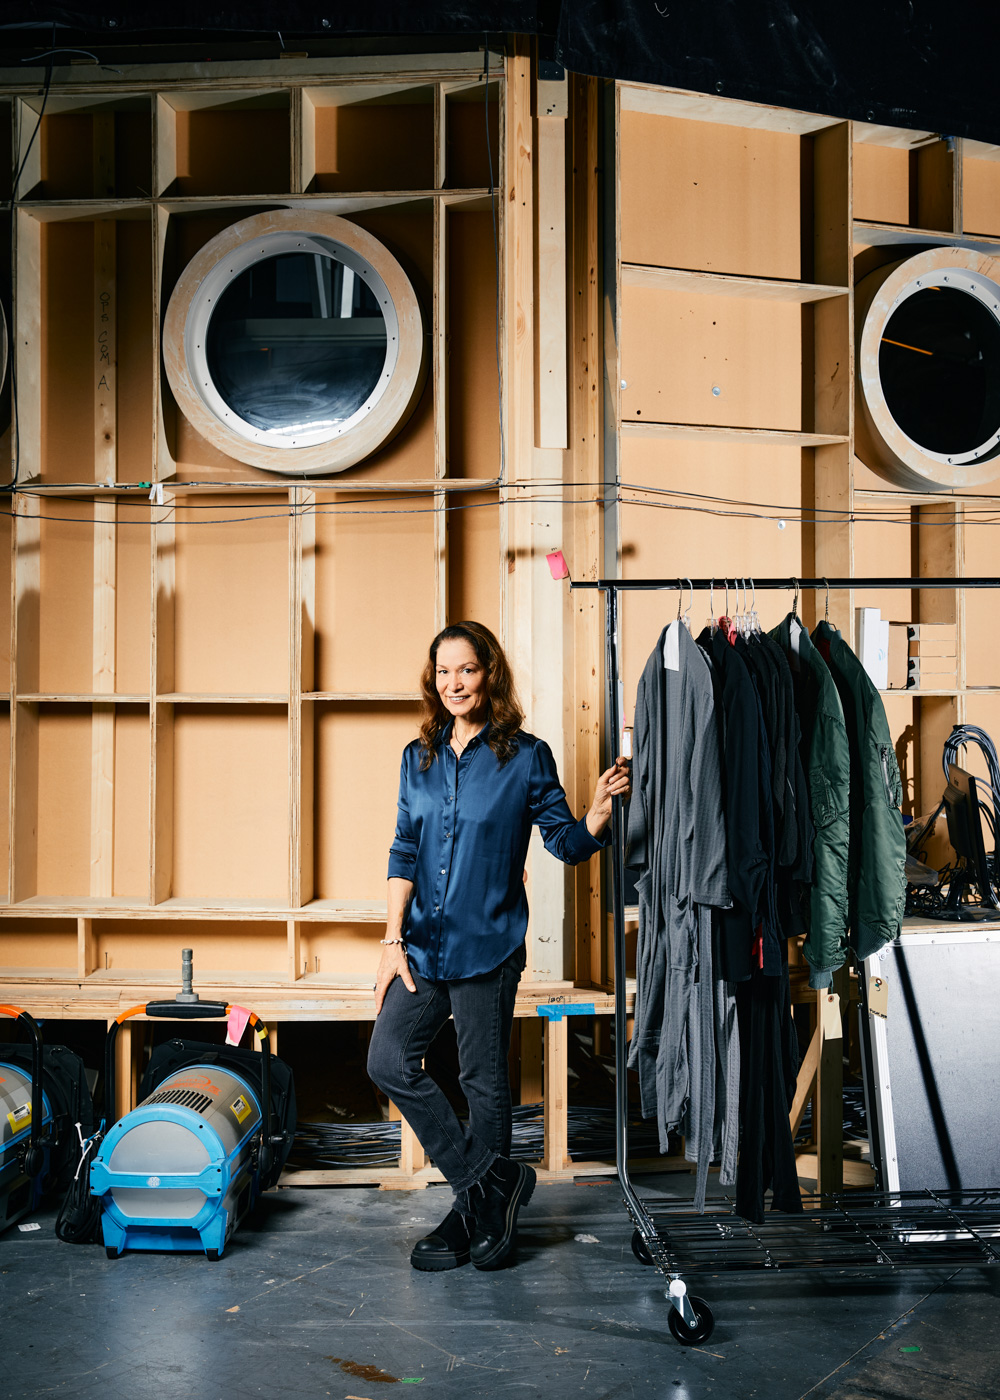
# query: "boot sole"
{"type": "Point", "coordinates": [519, 1199]}
{"type": "Point", "coordinates": [430, 1265]}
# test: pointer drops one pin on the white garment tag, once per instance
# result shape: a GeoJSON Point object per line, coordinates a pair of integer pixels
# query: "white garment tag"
{"type": "Point", "coordinates": [672, 647]}
{"type": "Point", "coordinates": [795, 630]}
{"type": "Point", "coordinates": [829, 1016]}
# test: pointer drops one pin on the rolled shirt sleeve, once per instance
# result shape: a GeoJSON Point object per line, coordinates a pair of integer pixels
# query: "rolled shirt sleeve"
{"type": "Point", "coordinates": [564, 836]}
{"type": "Point", "coordinates": [403, 851]}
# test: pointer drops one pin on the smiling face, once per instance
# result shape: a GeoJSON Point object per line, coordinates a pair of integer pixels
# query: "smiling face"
{"type": "Point", "coordinates": [461, 680]}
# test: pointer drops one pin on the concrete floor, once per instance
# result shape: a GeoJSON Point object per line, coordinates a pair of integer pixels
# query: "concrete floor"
{"type": "Point", "coordinates": [315, 1297]}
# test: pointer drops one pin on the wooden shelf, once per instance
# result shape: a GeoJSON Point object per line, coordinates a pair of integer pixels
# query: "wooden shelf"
{"type": "Point", "coordinates": [675, 279]}
{"type": "Point", "coordinates": [917, 692]}
{"type": "Point", "coordinates": [886, 235]}
{"type": "Point", "coordinates": [190, 697]}
{"type": "Point", "coordinates": [259, 910]}
{"type": "Point", "coordinates": [932, 926]}
{"type": "Point", "coordinates": [407, 697]}
{"type": "Point", "coordinates": [94, 698]}
{"type": "Point", "coordinates": [103, 995]}
{"type": "Point", "coordinates": [773, 437]}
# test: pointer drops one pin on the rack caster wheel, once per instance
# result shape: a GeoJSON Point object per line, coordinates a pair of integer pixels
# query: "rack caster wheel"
{"type": "Point", "coordinates": [111, 1252]}
{"type": "Point", "coordinates": [693, 1336]}
{"type": "Point", "coordinates": [213, 1255]}
{"type": "Point", "coordinates": [640, 1250]}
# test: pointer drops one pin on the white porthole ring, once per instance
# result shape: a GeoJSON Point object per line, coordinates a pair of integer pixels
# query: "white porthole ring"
{"type": "Point", "coordinates": [880, 441]}
{"type": "Point", "coordinates": [212, 270]}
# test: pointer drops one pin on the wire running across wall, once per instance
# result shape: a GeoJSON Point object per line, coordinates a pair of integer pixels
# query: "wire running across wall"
{"type": "Point", "coordinates": [521, 494]}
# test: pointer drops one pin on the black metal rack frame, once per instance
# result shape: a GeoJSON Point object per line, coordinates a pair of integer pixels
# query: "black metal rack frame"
{"type": "Point", "coordinates": [856, 1231]}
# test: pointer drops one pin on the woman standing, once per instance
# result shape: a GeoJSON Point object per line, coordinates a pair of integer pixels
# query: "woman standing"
{"type": "Point", "coordinates": [470, 789]}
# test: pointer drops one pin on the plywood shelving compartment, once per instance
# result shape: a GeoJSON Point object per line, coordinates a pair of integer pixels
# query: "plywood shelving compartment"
{"type": "Point", "coordinates": [208, 697]}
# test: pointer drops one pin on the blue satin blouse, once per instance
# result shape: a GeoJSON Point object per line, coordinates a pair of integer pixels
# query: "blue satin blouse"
{"type": "Point", "coordinates": [462, 834]}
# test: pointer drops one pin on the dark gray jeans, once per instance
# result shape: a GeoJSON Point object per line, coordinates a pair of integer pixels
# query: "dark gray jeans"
{"type": "Point", "coordinates": [483, 1010]}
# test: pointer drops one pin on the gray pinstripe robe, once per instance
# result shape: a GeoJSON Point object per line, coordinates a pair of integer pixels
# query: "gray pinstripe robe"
{"type": "Point", "coordinates": [676, 839]}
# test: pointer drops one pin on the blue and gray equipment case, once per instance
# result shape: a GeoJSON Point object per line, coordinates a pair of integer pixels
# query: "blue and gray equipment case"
{"type": "Point", "coordinates": [180, 1171]}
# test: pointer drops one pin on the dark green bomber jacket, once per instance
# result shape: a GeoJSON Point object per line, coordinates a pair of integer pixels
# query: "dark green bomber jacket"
{"type": "Point", "coordinates": [876, 880]}
{"type": "Point", "coordinates": [827, 761]}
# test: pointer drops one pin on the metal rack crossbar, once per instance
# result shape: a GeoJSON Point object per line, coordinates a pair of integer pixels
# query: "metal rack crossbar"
{"type": "Point", "coordinates": [861, 1231]}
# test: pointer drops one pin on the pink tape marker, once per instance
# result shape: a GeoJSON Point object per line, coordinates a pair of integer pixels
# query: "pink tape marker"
{"type": "Point", "coordinates": [557, 564]}
{"type": "Point", "coordinates": [238, 1018]}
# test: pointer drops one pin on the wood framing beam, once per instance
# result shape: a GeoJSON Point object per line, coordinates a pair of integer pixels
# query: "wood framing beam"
{"type": "Point", "coordinates": [86, 948]}
{"type": "Point", "coordinates": [556, 1155]}
{"type": "Point", "coordinates": [832, 533]}
{"type": "Point", "coordinates": [552, 389]}
{"type": "Point", "coordinates": [440, 136]}
{"type": "Point", "coordinates": [102, 777]}
{"type": "Point", "coordinates": [940, 553]}
{"type": "Point", "coordinates": [805, 1083]}
{"type": "Point", "coordinates": [26, 338]}
{"type": "Point", "coordinates": [103, 129]}
{"type": "Point", "coordinates": [412, 1157]}
{"type": "Point", "coordinates": [294, 930]}
{"type": "Point", "coordinates": [302, 723]}
{"type": "Point", "coordinates": [532, 1087]}
{"type": "Point", "coordinates": [828, 1104]}
{"type": "Point", "coordinates": [26, 600]}
{"type": "Point", "coordinates": [105, 351]}
{"type": "Point", "coordinates": [439, 375]}
{"type": "Point", "coordinates": [583, 520]}
{"type": "Point", "coordinates": [936, 197]}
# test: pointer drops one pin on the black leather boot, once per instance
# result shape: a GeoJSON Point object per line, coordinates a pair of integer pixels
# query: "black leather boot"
{"type": "Point", "coordinates": [447, 1247]}
{"type": "Point", "coordinates": [496, 1199]}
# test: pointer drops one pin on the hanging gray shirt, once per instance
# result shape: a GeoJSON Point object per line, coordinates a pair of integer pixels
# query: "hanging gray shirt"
{"type": "Point", "coordinates": [676, 839]}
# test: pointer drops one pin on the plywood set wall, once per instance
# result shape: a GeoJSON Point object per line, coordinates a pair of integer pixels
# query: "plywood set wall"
{"type": "Point", "coordinates": [208, 697]}
{"type": "Point", "coordinates": [739, 232]}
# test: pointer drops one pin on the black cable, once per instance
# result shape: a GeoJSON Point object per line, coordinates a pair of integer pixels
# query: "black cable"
{"type": "Point", "coordinates": [591, 1135]}
{"type": "Point", "coordinates": [79, 1218]}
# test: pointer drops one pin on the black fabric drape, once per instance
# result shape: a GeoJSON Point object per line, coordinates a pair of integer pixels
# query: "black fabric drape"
{"type": "Point", "coordinates": [908, 63]}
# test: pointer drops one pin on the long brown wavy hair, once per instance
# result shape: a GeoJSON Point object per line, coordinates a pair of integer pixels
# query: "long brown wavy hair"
{"type": "Point", "coordinates": [503, 709]}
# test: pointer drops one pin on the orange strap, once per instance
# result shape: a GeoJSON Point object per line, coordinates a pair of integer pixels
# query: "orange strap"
{"type": "Point", "coordinates": [132, 1011]}
{"type": "Point", "coordinates": [14, 1011]}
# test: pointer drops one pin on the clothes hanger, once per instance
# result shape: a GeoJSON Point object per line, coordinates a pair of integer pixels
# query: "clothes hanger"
{"type": "Point", "coordinates": [827, 612]}
{"type": "Point", "coordinates": [795, 599]}
{"type": "Point", "coordinates": [747, 620]}
{"type": "Point", "coordinates": [712, 621]}
{"type": "Point", "coordinates": [687, 611]}
{"type": "Point", "coordinates": [754, 619]}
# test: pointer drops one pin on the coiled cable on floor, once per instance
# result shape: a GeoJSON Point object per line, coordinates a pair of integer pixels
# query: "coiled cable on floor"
{"type": "Point", "coordinates": [79, 1218]}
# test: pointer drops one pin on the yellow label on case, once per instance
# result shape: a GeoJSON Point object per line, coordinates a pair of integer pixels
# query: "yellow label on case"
{"type": "Point", "coordinates": [241, 1108]}
{"type": "Point", "coordinates": [20, 1118]}
{"type": "Point", "coordinates": [878, 997]}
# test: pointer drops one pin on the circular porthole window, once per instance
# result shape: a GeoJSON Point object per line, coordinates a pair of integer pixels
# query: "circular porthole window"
{"type": "Point", "coordinates": [929, 370]}
{"type": "Point", "coordinates": [294, 341]}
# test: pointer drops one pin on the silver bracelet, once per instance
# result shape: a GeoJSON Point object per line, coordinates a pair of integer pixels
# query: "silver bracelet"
{"type": "Point", "coordinates": [387, 941]}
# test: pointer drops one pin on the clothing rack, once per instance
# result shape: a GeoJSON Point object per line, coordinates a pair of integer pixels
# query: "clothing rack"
{"type": "Point", "coordinates": [862, 1231]}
